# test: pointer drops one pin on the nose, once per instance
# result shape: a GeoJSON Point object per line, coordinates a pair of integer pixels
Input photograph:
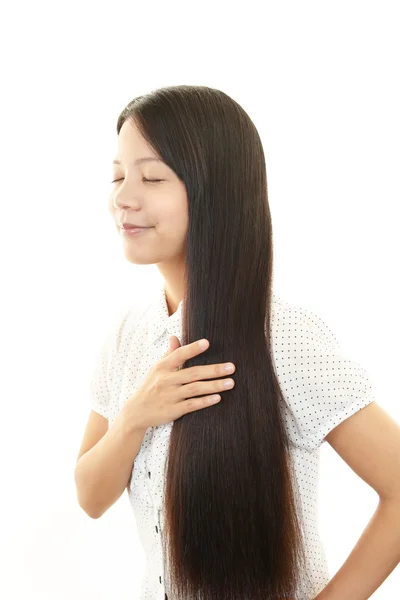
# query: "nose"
{"type": "Point", "coordinates": [123, 205]}
{"type": "Point", "coordinates": [125, 199]}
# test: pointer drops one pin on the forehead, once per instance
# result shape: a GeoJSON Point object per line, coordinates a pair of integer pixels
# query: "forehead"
{"type": "Point", "coordinates": [134, 152]}
{"type": "Point", "coordinates": [132, 148]}
{"type": "Point", "coordinates": [141, 160]}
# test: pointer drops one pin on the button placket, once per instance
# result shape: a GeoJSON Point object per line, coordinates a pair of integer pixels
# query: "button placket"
{"type": "Point", "coordinates": [158, 529]}
{"type": "Point", "coordinates": [157, 526]}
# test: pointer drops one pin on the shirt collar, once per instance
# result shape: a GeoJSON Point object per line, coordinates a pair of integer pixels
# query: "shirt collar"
{"type": "Point", "coordinates": [160, 321]}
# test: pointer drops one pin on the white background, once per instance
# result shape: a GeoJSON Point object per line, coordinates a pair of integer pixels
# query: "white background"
{"type": "Point", "coordinates": [320, 81]}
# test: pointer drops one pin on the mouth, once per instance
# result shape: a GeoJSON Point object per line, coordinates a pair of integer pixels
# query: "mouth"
{"type": "Point", "coordinates": [131, 226]}
{"type": "Point", "coordinates": [129, 231]}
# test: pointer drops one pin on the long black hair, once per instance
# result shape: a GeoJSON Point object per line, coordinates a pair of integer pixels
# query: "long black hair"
{"type": "Point", "coordinates": [232, 523]}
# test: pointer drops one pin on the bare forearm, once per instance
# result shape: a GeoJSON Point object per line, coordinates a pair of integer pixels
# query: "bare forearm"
{"type": "Point", "coordinates": [102, 473]}
{"type": "Point", "coordinates": [374, 557]}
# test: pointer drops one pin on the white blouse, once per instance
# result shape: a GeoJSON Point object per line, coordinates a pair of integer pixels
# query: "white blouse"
{"type": "Point", "coordinates": [321, 389]}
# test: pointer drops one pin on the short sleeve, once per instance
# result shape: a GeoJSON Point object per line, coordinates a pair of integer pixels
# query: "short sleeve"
{"type": "Point", "coordinates": [101, 378]}
{"type": "Point", "coordinates": [321, 386]}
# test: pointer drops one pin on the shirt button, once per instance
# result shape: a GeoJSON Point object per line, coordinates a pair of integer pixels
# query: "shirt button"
{"type": "Point", "coordinates": [156, 528]}
{"type": "Point", "coordinates": [149, 474]}
{"type": "Point", "coordinates": [160, 578]}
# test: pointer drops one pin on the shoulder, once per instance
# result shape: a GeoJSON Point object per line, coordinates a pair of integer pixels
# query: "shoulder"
{"type": "Point", "coordinates": [321, 384]}
{"type": "Point", "coordinates": [130, 320]}
{"type": "Point", "coordinates": [297, 325]}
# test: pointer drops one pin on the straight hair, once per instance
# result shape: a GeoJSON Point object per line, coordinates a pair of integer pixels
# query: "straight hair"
{"type": "Point", "coordinates": [233, 528]}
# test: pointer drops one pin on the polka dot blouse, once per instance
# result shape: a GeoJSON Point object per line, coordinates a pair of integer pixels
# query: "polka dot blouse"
{"type": "Point", "coordinates": [321, 388]}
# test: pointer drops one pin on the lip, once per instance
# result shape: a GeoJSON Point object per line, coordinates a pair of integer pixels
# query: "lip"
{"type": "Point", "coordinates": [131, 225]}
{"type": "Point", "coordinates": [134, 230]}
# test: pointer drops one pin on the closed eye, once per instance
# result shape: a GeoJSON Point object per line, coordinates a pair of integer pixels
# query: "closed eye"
{"type": "Point", "coordinates": [144, 179]}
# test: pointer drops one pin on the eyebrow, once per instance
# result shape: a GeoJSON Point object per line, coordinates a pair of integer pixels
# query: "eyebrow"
{"type": "Point", "coordinates": [140, 160]}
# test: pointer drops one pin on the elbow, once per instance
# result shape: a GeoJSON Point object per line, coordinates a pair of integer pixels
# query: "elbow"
{"type": "Point", "coordinates": [93, 515]}
{"type": "Point", "coordinates": [89, 511]}
{"type": "Point", "coordinates": [86, 506]}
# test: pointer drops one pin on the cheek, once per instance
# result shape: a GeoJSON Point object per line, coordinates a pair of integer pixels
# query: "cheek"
{"type": "Point", "coordinates": [110, 205]}
{"type": "Point", "coordinates": [171, 227]}
{"type": "Point", "coordinates": [171, 215]}
{"type": "Point", "coordinates": [176, 223]}
{"type": "Point", "coordinates": [174, 207]}
{"type": "Point", "coordinates": [179, 213]}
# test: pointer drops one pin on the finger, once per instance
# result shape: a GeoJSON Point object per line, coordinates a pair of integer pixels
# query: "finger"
{"type": "Point", "coordinates": [173, 344]}
{"type": "Point", "coordinates": [192, 404]}
{"type": "Point", "coordinates": [182, 354]}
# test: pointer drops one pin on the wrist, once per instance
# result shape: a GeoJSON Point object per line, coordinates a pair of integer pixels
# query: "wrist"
{"type": "Point", "coordinates": [130, 421]}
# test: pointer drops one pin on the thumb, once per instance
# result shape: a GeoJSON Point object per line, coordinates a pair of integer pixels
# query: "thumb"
{"type": "Point", "coordinates": [174, 343]}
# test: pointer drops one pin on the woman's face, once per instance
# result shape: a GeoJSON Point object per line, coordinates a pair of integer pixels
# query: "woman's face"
{"type": "Point", "coordinates": [162, 206]}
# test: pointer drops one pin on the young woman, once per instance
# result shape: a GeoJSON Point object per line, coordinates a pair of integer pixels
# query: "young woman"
{"type": "Point", "coordinates": [224, 491]}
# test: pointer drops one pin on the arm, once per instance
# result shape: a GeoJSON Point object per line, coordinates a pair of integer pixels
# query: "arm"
{"type": "Point", "coordinates": [103, 472]}
{"type": "Point", "coordinates": [369, 441]}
